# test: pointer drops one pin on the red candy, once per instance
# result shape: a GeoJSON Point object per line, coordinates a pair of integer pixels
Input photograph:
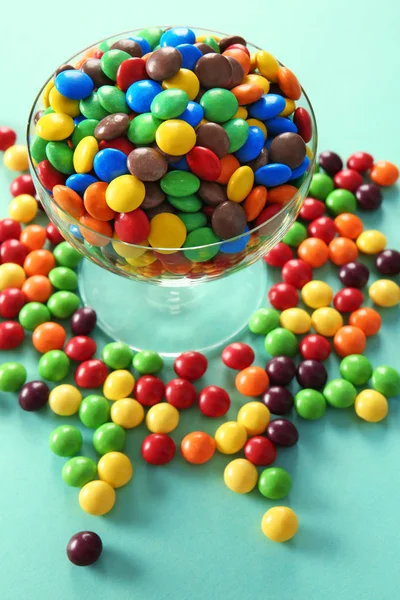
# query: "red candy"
{"type": "Point", "coordinates": [312, 209]}
{"type": "Point", "coordinates": [214, 401]}
{"type": "Point", "coordinates": [129, 71]}
{"type": "Point", "coordinates": [260, 451]}
{"type": "Point", "coordinates": [297, 272]}
{"type": "Point", "coordinates": [315, 347]}
{"type": "Point", "coordinates": [11, 302]}
{"type": "Point", "coordinates": [132, 227]}
{"type": "Point", "coordinates": [49, 176]}
{"type": "Point", "coordinates": [204, 163]}
{"type": "Point", "coordinates": [348, 179]}
{"type": "Point", "coordinates": [323, 228]}
{"type": "Point", "coordinates": [120, 143]}
{"type": "Point", "coordinates": [149, 390]}
{"type": "Point", "coordinates": [181, 393]}
{"type": "Point", "coordinates": [190, 365]}
{"type": "Point", "coordinates": [267, 213]}
{"type": "Point", "coordinates": [91, 373]}
{"type": "Point", "coordinates": [12, 251]}
{"type": "Point", "coordinates": [237, 356]}
{"type": "Point", "coordinates": [283, 295]}
{"type": "Point", "coordinates": [11, 335]}
{"type": "Point", "coordinates": [9, 230]}
{"type": "Point", "coordinates": [8, 138]}
{"type": "Point", "coordinates": [158, 449]}
{"type": "Point", "coordinates": [279, 255]}
{"type": "Point", "coordinates": [80, 348]}
{"type": "Point", "coordinates": [239, 47]}
{"type": "Point", "coordinates": [348, 300]}
{"type": "Point", "coordinates": [23, 184]}
{"type": "Point", "coordinates": [302, 120]}
{"type": "Point", "coordinates": [360, 161]}
{"type": "Point", "coordinates": [53, 235]}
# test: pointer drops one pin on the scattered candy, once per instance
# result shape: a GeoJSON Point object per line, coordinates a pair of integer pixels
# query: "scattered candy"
{"type": "Point", "coordinates": [274, 483]}
{"type": "Point", "coordinates": [371, 406]}
{"type": "Point", "coordinates": [84, 548]}
{"type": "Point", "coordinates": [279, 524]}
{"type": "Point", "coordinates": [66, 441]}
{"type": "Point", "coordinates": [240, 476]}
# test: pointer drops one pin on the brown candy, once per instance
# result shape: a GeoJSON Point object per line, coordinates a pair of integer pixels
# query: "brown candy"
{"type": "Point", "coordinates": [170, 158]}
{"type": "Point", "coordinates": [38, 115]}
{"type": "Point", "coordinates": [225, 42]}
{"type": "Point", "coordinates": [163, 63]}
{"type": "Point", "coordinates": [237, 72]}
{"type": "Point", "coordinates": [212, 193]}
{"type": "Point", "coordinates": [275, 89]}
{"type": "Point", "coordinates": [204, 48]}
{"type": "Point", "coordinates": [259, 161]}
{"type": "Point", "coordinates": [62, 68]}
{"type": "Point", "coordinates": [214, 70]}
{"type": "Point", "coordinates": [112, 126]}
{"type": "Point", "coordinates": [147, 164]}
{"type": "Point", "coordinates": [214, 137]}
{"type": "Point", "coordinates": [288, 149]}
{"type": "Point", "coordinates": [92, 67]}
{"type": "Point", "coordinates": [129, 46]}
{"type": "Point", "coordinates": [228, 220]}
{"type": "Point", "coordinates": [165, 207]}
{"type": "Point", "coordinates": [154, 196]}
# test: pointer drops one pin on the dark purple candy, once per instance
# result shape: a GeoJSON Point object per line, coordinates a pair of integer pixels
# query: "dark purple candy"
{"type": "Point", "coordinates": [330, 162]}
{"type": "Point", "coordinates": [33, 395]}
{"type": "Point", "coordinates": [354, 274]}
{"type": "Point", "coordinates": [84, 548]}
{"type": "Point", "coordinates": [83, 321]}
{"type": "Point", "coordinates": [369, 196]}
{"type": "Point", "coordinates": [282, 432]}
{"type": "Point", "coordinates": [388, 262]}
{"type": "Point", "coordinates": [278, 400]}
{"type": "Point", "coordinates": [311, 374]}
{"type": "Point", "coordinates": [281, 370]}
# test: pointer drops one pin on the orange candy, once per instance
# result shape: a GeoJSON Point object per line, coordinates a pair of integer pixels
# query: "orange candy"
{"type": "Point", "coordinates": [281, 194]}
{"type": "Point", "coordinates": [198, 447]}
{"type": "Point", "coordinates": [349, 226]}
{"type": "Point", "coordinates": [49, 336]}
{"type": "Point", "coordinates": [68, 200]}
{"type": "Point", "coordinates": [39, 262]}
{"type": "Point", "coordinates": [314, 252]}
{"type": "Point", "coordinates": [342, 251]}
{"type": "Point", "coordinates": [91, 226]}
{"type": "Point", "coordinates": [229, 164]}
{"type": "Point", "coordinates": [95, 203]}
{"type": "Point", "coordinates": [289, 83]}
{"type": "Point", "coordinates": [33, 237]}
{"type": "Point", "coordinates": [246, 93]}
{"type": "Point", "coordinates": [37, 288]}
{"type": "Point", "coordinates": [252, 381]}
{"type": "Point", "coordinates": [384, 173]}
{"type": "Point", "coordinates": [255, 202]}
{"type": "Point", "coordinates": [367, 319]}
{"type": "Point", "coordinates": [240, 56]}
{"type": "Point", "coordinates": [349, 340]}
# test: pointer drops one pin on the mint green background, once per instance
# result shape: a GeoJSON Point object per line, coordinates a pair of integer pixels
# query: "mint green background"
{"type": "Point", "coordinates": [177, 532]}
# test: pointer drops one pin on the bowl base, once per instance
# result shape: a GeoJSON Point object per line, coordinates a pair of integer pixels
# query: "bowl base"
{"type": "Point", "coordinates": [170, 320]}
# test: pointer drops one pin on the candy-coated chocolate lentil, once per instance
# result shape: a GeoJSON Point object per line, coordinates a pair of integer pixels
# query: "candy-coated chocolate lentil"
{"type": "Point", "coordinates": [281, 194]}
{"type": "Point", "coordinates": [354, 274]}
{"type": "Point", "coordinates": [13, 251]}
{"type": "Point", "coordinates": [274, 483]}
{"type": "Point", "coordinates": [117, 355]}
{"type": "Point", "coordinates": [283, 296]}
{"type": "Point", "coordinates": [230, 437]}
{"type": "Point", "coordinates": [384, 292]}
{"type": "Point", "coordinates": [12, 376]}
{"type": "Point", "coordinates": [15, 157]}
{"type": "Point", "coordinates": [237, 356]}
{"type": "Point", "coordinates": [371, 406]}
{"type": "Point", "coordinates": [254, 416]}
{"type": "Point", "coordinates": [11, 275]}
{"type": "Point", "coordinates": [371, 241]}
{"type": "Point", "coordinates": [278, 399]}
{"type": "Point", "coordinates": [190, 365]}
{"type": "Point", "coordinates": [282, 432]}
{"type": "Point", "coordinates": [65, 399]}
{"type": "Point", "coordinates": [149, 362]}
{"type": "Point", "coordinates": [260, 451]}
{"type": "Point", "coordinates": [296, 272]}
{"type": "Point", "coordinates": [9, 230]}
{"type": "Point", "coordinates": [127, 412]}
{"type": "Point", "coordinates": [149, 390]}
{"type": "Point", "coordinates": [311, 374]}
{"type": "Point", "coordinates": [263, 321]}
{"type": "Point", "coordinates": [348, 299]}
{"type": "Point", "coordinates": [356, 369]}
{"type": "Point", "coordinates": [158, 449]}
{"type": "Point", "coordinates": [326, 321]}
{"type": "Point", "coordinates": [321, 186]}
{"type": "Point", "coordinates": [219, 105]}
{"type": "Point", "coordinates": [384, 173]}
{"type": "Point", "coordinates": [23, 208]}
{"type": "Point", "coordinates": [83, 321]}
{"type": "Point", "coordinates": [11, 335]}
{"type": "Point", "coordinates": [296, 235]}
{"type": "Point", "coordinates": [360, 161]}
{"type": "Point", "coordinates": [66, 440]}
{"type": "Point", "coordinates": [84, 548]}
{"type": "Point", "coordinates": [240, 476]}
{"type": "Point", "coordinates": [310, 404]}
{"type": "Point", "coordinates": [386, 380]}
{"type": "Point", "coordinates": [302, 120]}
{"type": "Point", "coordinates": [115, 468]}
{"type": "Point", "coordinates": [313, 251]}
{"type": "Point", "coordinates": [315, 347]}
{"type": "Point", "coordinates": [349, 340]}
{"type": "Point", "coordinates": [181, 393]}
{"type": "Point", "coordinates": [279, 524]}
{"type": "Point", "coordinates": [281, 369]}
{"type": "Point", "coordinates": [279, 255]}
{"type": "Point", "coordinates": [80, 348]}
{"type": "Point", "coordinates": [342, 251]}
{"type": "Point", "coordinates": [240, 184]}
{"type": "Point", "coordinates": [91, 373]}
{"type": "Point", "coordinates": [340, 393]}
{"type": "Point", "coordinates": [273, 174]}
{"type": "Point", "coordinates": [252, 381]}
{"type": "Point", "coordinates": [295, 320]}
{"type": "Point", "coordinates": [162, 418]}
{"type": "Point", "coordinates": [198, 447]}
{"type": "Point", "coordinates": [118, 384]}
{"type": "Point", "coordinates": [316, 294]}
{"type": "Point", "coordinates": [348, 179]}
{"type": "Point", "coordinates": [11, 301]}
{"type": "Point", "coordinates": [97, 498]}
{"type": "Point", "coordinates": [33, 314]}
{"type": "Point", "coordinates": [8, 138]}
{"type": "Point", "coordinates": [388, 262]}
{"type": "Point", "coordinates": [281, 342]}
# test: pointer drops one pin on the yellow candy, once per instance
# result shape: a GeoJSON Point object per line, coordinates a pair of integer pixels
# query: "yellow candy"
{"type": "Point", "coordinates": [326, 321]}
{"type": "Point", "coordinates": [289, 108]}
{"type": "Point", "coordinates": [167, 231]}
{"type": "Point", "coordinates": [115, 468]}
{"type": "Point", "coordinates": [184, 80]}
{"type": "Point", "coordinates": [97, 498]}
{"type": "Point", "coordinates": [254, 416]}
{"type": "Point", "coordinates": [162, 418]}
{"type": "Point", "coordinates": [125, 193]}
{"type": "Point", "coordinates": [61, 104]}
{"type": "Point", "coordinates": [253, 61]}
{"type": "Point", "coordinates": [119, 384]}
{"type": "Point", "coordinates": [202, 122]}
{"type": "Point", "coordinates": [267, 65]}
{"type": "Point", "coordinates": [201, 38]}
{"type": "Point", "coordinates": [384, 292]}
{"type": "Point", "coordinates": [16, 158]}
{"type": "Point", "coordinates": [240, 184]}
{"type": "Point", "coordinates": [316, 294]}
{"type": "Point", "coordinates": [11, 275]}
{"type": "Point", "coordinates": [259, 124]}
{"type": "Point", "coordinates": [240, 476]}
{"type": "Point", "coordinates": [371, 406]}
{"type": "Point", "coordinates": [309, 153]}
{"type": "Point", "coordinates": [126, 250]}
{"type": "Point", "coordinates": [279, 524]}
{"type": "Point", "coordinates": [23, 208]}
{"type": "Point", "coordinates": [142, 261]}
{"type": "Point", "coordinates": [258, 80]}
{"type": "Point", "coordinates": [241, 113]}
{"type": "Point", "coordinates": [127, 412]}
{"type": "Point", "coordinates": [230, 437]}
{"type": "Point", "coordinates": [371, 241]}
{"type": "Point", "coordinates": [296, 320]}
{"type": "Point", "coordinates": [65, 399]}
{"type": "Point", "coordinates": [55, 127]}
{"type": "Point", "coordinates": [175, 137]}
{"type": "Point", "coordinates": [46, 93]}
{"type": "Point", "coordinates": [84, 154]}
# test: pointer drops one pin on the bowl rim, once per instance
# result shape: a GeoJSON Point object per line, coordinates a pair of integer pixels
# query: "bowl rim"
{"type": "Point", "coordinates": [74, 222]}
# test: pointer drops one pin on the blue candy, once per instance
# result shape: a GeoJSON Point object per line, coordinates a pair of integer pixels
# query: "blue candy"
{"type": "Point", "coordinates": [144, 44]}
{"type": "Point", "coordinates": [268, 143]}
{"type": "Point", "coordinates": [141, 94]}
{"type": "Point", "coordinates": [73, 84]}
{"type": "Point", "coordinates": [272, 175]}
{"type": "Point", "coordinates": [79, 182]}
{"type": "Point", "coordinates": [176, 36]}
{"type": "Point", "coordinates": [190, 55]}
{"type": "Point", "coordinates": [109, 164]}
{"type": "Point", "coordinates": [301, 169]}
{"type": "Point", "coordinates": [78, 120]}
{"type": "Point", "coordinates": [180, 164]}
{"type": "Point", "coordinates": [253, 146]}
{"type": "Point", "coordinates": [236, 245]}
{"type": "Point", "coordinates": [267, 107]}
{"type": "Point", "coordinates": [75, 231]}
{"type": "Point", "coordinates": [280, 125]}
{"type": "Point", "coordinates": [193, 114]}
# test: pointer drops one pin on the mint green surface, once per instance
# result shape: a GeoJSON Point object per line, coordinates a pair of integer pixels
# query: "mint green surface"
{"type": "Point", "coordinates": [176, 532]}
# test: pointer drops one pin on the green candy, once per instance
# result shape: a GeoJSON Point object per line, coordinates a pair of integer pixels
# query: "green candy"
{"type": "Point", "coordinates": [91, 108]}
{"type": "Point", "coordinates": [219, 105]}
{"type": "Point", "coordinates": [66, 255]}
{"type": "Point", "coordinates": [340, 393]}
{"type": "Point", "coordinates": [189, 204]}
{"type": "Point", "coordinates": [147, 362]}
{"type": "Point", "coordinates": [109, 438]}
{"type": "Point", "coordinates": [111, 60]}
{"type": "Point", "coordinates": [63, 304]}
{"type": "Point", "coordinates": [321, 186]}
{"type": "Point", "coordinates": [264, 320]}
{"type": "Point", "coordinates": [65, 440]}
{"type": "Point", "coordinates": [53, 365]}
{"type": "Point", "coordinates": [33, 314]}
{"type": "Point", "coordinates": [12, 376]}
{"type": "Point", "coordinates": [356, 368]}
{"type": "Point", "coordinates": [238, 132]}
{"type": "Point", "coordinates": [152, 35]}
{"type": "Point", "coordinates": [281, 342]}
{"type": "Point", "coordinates": [78, 471]}
{"type": "Point", "coordinates": [60, 155]}
{"type": "Point", "coordinates": [94, 411]}
{"type": "Point", "coordinates": [117, 355]}
{"type": "Point", "coordinates": [296, 234]}
{"type": "Point", "coordinates": [274, 483]}
{"type": "Point", "coordinates": [142, 129]}
{"type": "Point", "coordinates": [112, 99]}
{"type": "Point", "coordinates": [201, 237]}
{"type": "Point", "coordinates": [193, 221]}
{"type": "Point", "coordinates": [317, 168]}
{"type": "Point", "coordinates": [84, 129]}
{"type": "Point", "coordinates": [38, 149]}
{"type": "Point", "coordinates": [179, 183]}
{"type": "Point", "coordinates": [104, 46]}
{"type": "Point", "coordinates": [213, 43]}
{"type": "Point", "coordinates": [63, 278]}
{"type": "Point", "coordinates": [169, 104]}
{"type": "Point", "coordinates": [310, 404]}
{"type": "Point", "coordinates": [48, 111]}
{"type": "Point", "coordinates": [341, 201]}
{"type": "Point", "coordinates": [386, 380]}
